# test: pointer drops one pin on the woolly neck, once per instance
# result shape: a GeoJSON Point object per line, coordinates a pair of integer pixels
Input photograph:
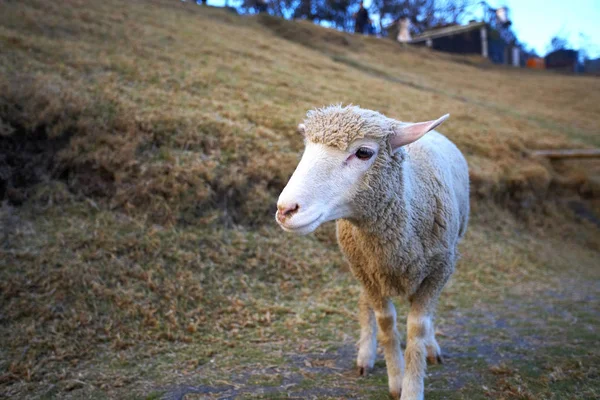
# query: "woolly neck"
{"type": "Point", "coordinates": [381, 204]}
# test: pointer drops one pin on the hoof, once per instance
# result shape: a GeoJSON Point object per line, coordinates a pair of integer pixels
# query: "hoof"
{"type": "Point", "coordinates": [363, 371]}
{"type": "Point", "coordinates": [395, 395]}
{"type": "Point", "coordinates": [433, 360]}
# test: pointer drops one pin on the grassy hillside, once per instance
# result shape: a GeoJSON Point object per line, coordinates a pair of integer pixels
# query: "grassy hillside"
{"type": "Point", "coordinates": [144, 144]}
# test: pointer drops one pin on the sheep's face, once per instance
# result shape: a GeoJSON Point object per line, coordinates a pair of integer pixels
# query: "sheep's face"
{"type": "Point", "coordinates": [344, 146]}
{"type": "Point", "coordinates": [324, 184]}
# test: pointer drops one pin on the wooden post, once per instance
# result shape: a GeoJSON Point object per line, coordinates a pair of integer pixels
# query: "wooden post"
{"type": "Point", "coordinates": [516, 52]}
{"type": "Point", "coordinates": [556, 154]}
{"type": "Point", "coordinates": [484, 42]}
{"type": "Point", "coordinates": [429, 42]}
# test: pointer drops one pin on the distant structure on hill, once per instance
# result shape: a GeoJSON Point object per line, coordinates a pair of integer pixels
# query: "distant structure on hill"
{"type": "Point", "coordinates": [592, 66]}
{"type": "Point", "coordinates": [562, 60]}
{"type": "Point", "coordinates": [404, 30]}
{"type": "Point", "coordinates": [491, 38]}
{"type": "Point", "coordinates": [536, 63]}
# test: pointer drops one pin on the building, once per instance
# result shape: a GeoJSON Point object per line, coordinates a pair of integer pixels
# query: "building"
{"type": "Point", "coordinates": [474, 38]}
{"type": "Point", "coordinates": [536, 63]}
{"type": "Point", "coordinates": [562, 60]}
{"type": "Point", "coordinates": [592, 66]}
{"type": "Point", "coordinates": [492, 37]}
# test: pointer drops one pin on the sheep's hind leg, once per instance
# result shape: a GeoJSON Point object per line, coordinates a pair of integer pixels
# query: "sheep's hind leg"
{"type": "Point", "coordinates": [434, 353]}
{"type": "Point", "coordinates": [367, 344]}
{"type": "Point", "coordinates": [385, 314]}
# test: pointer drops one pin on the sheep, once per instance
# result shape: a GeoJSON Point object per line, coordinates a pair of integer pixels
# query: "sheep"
{"type": "Point", "coordinates": [401, 201]}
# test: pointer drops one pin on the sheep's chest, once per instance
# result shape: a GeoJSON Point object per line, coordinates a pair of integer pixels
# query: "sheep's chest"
{"type": "Point", "coordinates": [379, 266]}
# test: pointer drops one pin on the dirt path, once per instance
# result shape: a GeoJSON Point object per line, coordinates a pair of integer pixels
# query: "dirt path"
{"type": "Point", "coordinates": [537, 343]}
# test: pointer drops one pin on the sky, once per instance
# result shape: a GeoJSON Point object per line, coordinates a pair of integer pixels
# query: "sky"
{"type": "Point", "coordinates": [535, 22]}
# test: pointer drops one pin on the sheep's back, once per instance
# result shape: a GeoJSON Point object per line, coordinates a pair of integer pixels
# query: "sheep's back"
{"type": "Point", "coordinates": [439, 178]}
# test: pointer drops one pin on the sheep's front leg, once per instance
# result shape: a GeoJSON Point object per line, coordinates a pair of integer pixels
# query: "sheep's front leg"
{"type": "Point", "coordinates": [420, 339]}
{"type": "Point", "coordinates": [385, 314]}
{"type": "Point", "coordinates": [367, 344]}
{"type": "Point", "coordinates": [419, 326]}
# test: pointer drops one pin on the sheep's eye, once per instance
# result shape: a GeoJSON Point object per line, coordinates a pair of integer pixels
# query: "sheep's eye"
{"type": "Point", "coordinates": [364, 153]}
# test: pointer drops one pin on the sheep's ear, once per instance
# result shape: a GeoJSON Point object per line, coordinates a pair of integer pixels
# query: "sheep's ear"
{"type": "Point", "coordinates": [301, 130]}
{"type": "Point", "coordinates": [408, 133]}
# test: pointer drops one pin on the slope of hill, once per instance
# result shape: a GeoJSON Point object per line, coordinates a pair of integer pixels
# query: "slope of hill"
{"type": "Point", "coordinates": [143, 146]}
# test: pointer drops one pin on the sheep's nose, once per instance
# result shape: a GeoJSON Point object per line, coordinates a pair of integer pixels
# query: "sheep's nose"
{"type": "Point", "coordinates": [286, 210]}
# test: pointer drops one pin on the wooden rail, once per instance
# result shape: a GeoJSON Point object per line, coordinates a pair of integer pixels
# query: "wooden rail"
{"type": "Point", "coordinates": [556, 154]}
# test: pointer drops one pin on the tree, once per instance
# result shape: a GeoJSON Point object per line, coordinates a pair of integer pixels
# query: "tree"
{"type": "Point", "coordinates": [337, 12]}
{"type": "Point", "coordinates": [423, 14]}
{"type": "Point", "coordinates": [305, 10]}
{"type": "Point", "coordinates": [558, 43]}
{"type": "Point", "coordinates": [251, 5]}
{"type": "Point", "coordinates": [453, 11]}
{"type": "Point", "coordinates": [281, 8]}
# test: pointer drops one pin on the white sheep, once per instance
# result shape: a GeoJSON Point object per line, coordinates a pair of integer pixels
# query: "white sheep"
{"type": "Point", "coordinates": [401, 201]}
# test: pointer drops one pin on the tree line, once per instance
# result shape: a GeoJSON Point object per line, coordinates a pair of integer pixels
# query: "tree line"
{"type": "Point", "coordinates": [423, 14]}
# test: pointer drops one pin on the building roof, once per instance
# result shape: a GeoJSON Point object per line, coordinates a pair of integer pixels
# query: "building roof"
{"type": "Point", "coordinates": [446, 31]}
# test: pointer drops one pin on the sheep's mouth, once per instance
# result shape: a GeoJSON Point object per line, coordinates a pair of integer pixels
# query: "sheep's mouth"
{"type": "Point", "coordinates": [304, 228]}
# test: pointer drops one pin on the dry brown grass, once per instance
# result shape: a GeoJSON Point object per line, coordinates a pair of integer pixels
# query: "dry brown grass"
{"type": "Point", "coordinates": [158, 135]}
{"type": "Point", "coordinates": [171, 116]}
